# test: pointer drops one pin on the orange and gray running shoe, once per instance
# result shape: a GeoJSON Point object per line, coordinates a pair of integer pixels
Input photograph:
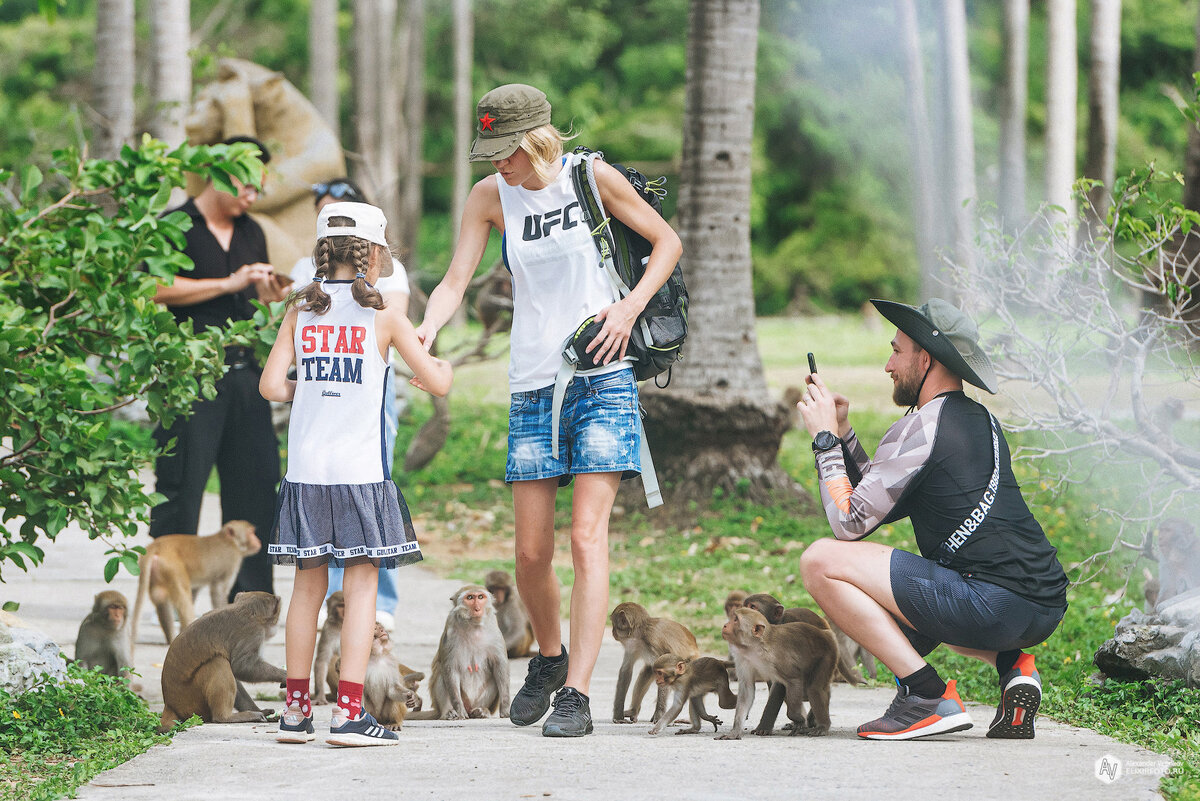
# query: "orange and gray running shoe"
{"type": "Point", "coordinates": [1020, 697]}
{"type": "Point", "coordinates": [910, 716]}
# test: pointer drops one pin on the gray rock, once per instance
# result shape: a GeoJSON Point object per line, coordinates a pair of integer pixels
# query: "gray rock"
{"type": "Point", "coordinates": [25, 655]}
{"type": "Point", "coordinates": [1165, 644]}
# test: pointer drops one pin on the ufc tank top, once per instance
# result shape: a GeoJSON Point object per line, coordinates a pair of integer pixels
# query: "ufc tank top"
{"type": "Point", "coordinates": [336, 431]}
{"type": "Point", "coordinates": [557, 277]}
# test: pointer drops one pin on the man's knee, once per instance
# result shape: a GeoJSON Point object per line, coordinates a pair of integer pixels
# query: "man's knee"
{"type": "Point", "coordinates": [819, 559]}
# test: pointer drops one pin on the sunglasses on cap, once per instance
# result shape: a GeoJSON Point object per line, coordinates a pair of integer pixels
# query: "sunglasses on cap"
{"type": "Point", "coordinates": [338, 190]}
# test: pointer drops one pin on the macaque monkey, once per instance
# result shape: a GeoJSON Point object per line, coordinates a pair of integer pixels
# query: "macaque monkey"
{"type": "Point", "coordinates": [412, 680]}
{"type": "Point", "coordinates": [510, 614]}
{"type": "Point", "coordinates": [386, 694]}
{"type": "Point", "coordinates": [469, 677]}
{"type": "Point", "coordinates": [799, 657]}
{"type": "Point", "coordinates": [329, 648]}
{"type": "Point", "coordinates": [176, 566]}
{"type": "Point", "coordinates": [735, 600]}
{"type": "Point", "coordinates": [848, 649]}
{"type": "Point", "coordinates": [688, 682]}
{"type": "Point", "coordinates": [494, 303]}
{"type": "Point", "coordinates": [645, 639]}
{"type": "Point", "coordinates": [103, 639]}
{"type": "Point", "coordinates": [207, 663]}
{"type": "Point", "coordinates": [1178, 561]}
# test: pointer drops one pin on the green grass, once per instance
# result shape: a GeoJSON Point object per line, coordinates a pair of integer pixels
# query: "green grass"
{"type": "Point", "coordinates": [56, 737]}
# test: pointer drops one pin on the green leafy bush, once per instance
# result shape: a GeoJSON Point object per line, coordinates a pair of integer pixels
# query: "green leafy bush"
{"type": "Point", "coordinates": [838, 258]}
{"type": "Point", "coordinates": [57, 736]}
{"type": "Point", "coordinates": [81, 251]}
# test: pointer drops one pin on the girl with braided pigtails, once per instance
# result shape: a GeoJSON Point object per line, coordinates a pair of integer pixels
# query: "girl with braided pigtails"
{"type": "Point", "coordinates": [338, 504]}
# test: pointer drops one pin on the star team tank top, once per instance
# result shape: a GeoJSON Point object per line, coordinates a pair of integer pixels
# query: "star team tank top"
{"type": "Point", "coordinates": [335, 435]}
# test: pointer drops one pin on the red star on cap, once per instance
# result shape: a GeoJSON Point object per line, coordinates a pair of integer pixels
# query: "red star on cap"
{"type": "Point", "coordinates": [485, 122]}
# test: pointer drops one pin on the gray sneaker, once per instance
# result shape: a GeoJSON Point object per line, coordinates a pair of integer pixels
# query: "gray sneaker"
{"type": "Point", "coordinates": [910, 716]}
{"type": "Point", "coordinates": [572, 716]}
{"type": "Point", "coordinates": [541, 682]}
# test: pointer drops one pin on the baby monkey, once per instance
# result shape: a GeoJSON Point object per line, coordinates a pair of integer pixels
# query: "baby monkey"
{"type": "Point", "coordinates": [688, 681]}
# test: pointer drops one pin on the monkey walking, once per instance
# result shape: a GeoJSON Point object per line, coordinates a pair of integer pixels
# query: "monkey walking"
{"type": "Point", "coordinates": [510, 614]}
{"type": "Point", "coordinates": [388, 693]}
{"type": "Point", "coordinates": [848, 649]}
{"type": "Point", "coordinates": [799, 657]}
{"type": "Point", "coordinates": [329, 648]}
{"type": "Point", "coordinates": [207, 663]}
{"type": "Point", "coordinates": [688, 682]}
{"type": "Point", "coordinates": [103, 640]}
{"type": "Point", "coordinates": [469, 677]}
{"type": "Point", "coordinates": [176, 566]}
{"type": "Point", "coordinates": [645, 639]}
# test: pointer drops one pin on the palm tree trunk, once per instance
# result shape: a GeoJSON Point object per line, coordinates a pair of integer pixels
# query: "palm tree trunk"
{"type": "Point", "coordinates": [114, 76]}
{"type": "Point", "coordinates": [171, 68]}
{"type": "Point", "coordinates": [414, 128]}
{"type": "Point", "coordinates": [925, 217]}
{"type": "Point", "coordinates": [1062, 74]}
{"type": "Point", "coordinates": [1103, 82]}
{"type": "Point", "coordinates": [715, 425]}
{"type": "Point", "coordinates": [961, 137]}
{"type": "Point", "coordinates": [323, 60]}
{"type": "Point", "coordinates": [463, 123]}
{"type": "Point", "coordinates": [1012, 114]}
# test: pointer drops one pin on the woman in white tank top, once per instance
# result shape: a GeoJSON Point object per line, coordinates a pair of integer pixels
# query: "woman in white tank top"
{"type": "Point", "coordinates": [558, 281]}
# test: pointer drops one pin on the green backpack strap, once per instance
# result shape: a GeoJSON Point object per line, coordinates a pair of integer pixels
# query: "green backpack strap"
{"type": "Point", "coordinates": [583, 177]}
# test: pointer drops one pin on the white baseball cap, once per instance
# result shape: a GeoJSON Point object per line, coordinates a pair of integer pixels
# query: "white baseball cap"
{"type": "Point", "coordinates": [369, 222]}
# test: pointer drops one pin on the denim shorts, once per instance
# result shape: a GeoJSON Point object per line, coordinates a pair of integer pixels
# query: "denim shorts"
{"type": "Point", "coordinates": [947, 607]}
{"type": "Point", "coordinates": [597, 432]}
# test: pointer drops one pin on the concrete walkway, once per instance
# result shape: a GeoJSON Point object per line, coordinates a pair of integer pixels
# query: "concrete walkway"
{"type": "Point", "coordinates": [494, 760]}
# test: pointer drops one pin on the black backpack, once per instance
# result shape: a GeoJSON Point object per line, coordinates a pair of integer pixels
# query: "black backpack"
{"type": "Point", "coordinates": [657, 338]}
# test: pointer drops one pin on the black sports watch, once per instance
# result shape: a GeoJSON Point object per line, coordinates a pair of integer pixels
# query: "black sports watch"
{"type": "Point", "coordinates": [824, 441]}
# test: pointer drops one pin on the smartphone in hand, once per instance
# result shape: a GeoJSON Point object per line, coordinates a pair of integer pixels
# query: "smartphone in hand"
{"type": "Point", "coordinates": [812, 363]}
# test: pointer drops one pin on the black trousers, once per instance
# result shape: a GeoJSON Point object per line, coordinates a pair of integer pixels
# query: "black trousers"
{"type": "Point", "coordinates": [234, 432]}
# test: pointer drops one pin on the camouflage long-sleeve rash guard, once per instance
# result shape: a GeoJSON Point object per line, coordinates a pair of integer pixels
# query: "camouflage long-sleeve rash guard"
{"type": "Point", "coordinates": [934, 466]}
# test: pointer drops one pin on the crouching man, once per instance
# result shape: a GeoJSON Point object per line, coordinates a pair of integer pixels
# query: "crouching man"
{"type": "Point", "coordinates": [987, 582]}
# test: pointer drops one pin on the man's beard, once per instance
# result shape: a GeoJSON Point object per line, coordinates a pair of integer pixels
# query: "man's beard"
{"type": "Point", "coordinates": [907, 389]}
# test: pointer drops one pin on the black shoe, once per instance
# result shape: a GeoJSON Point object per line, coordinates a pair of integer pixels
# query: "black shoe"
{"type": "Point", "coordinates": [541, 682]}
{"type": "Point", "coordinates": [572, 716]}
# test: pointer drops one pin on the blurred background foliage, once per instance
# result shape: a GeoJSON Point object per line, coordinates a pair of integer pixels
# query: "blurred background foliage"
{"type": "Point", "coordinates": [832, 182]}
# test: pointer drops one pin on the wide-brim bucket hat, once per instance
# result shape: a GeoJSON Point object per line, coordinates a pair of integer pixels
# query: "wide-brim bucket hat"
{"type": "Point", "coordinates": [948, 334]}
{"type": "Point", "coordinates": [502, 117]}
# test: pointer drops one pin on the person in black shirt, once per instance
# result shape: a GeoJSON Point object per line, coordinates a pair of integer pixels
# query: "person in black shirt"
{"type": "Point", "coordinates": [987, 582]}
{"type": "Point", "coordinates": [233, 430]}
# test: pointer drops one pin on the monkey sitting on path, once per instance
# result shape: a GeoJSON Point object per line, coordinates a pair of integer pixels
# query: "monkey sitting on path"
{"type": "Point", "coordinates": [645, 639]}
{"type": "Point", "coordinates": [469, 677]}
{"type": "Point", "coordinates": [329, 648]}
{"type": "Point", "coordinates": [103, 640]}
{"type": "Point", "coordinates": [207, 663]}
{"type": "Point", "coordinates": [510, 614]}
{"type": "Point", "coordinates": [176, 566]}
{"type": "Point", "coordinates": [798, 656]}
{"type": "Point", "coordinates": [688, 682]}
{"type": "Point", "coordinates": [387, 695]}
